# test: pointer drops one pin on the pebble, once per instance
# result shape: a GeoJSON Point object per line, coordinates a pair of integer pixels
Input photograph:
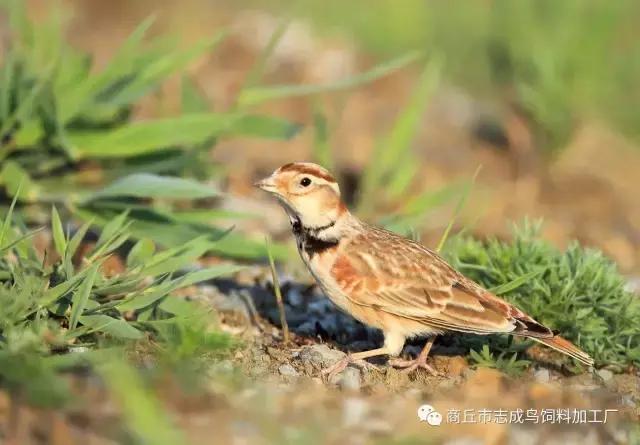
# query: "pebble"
{"type": "Point", "coordinates": [542, 375]}
{"type": "Point", "coordinates": [320, 355]}
{"type": "Point", "coordinates": [605, 374]}
{"type": "Point", "coordinates": [287, 370]}
{"type": "Point", "coordinates": [349, 379]}
{"type": "Point", "coordinates": [627, 400]}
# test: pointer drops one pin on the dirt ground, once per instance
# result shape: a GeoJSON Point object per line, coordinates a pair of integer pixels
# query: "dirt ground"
{"type": "Point", "coordinates": [269, 392]}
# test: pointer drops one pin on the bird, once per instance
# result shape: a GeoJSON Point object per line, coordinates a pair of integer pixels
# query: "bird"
{"type": "Point", "coordinates": [387, 281]}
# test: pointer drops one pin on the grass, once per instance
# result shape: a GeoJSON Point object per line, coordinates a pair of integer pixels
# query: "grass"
{"type": "Point", "coordinates": [67, 133]}
{"type": "Point", "coordinates": [578, 292]}
{"type": "Point", "coordinates": [49, 310]}
{"type": "Point", "coordinates": [510, 365]}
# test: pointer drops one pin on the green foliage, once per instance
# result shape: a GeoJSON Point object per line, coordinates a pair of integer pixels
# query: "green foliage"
{"type": "Point", "coordinates": [50, 310]}
{"type": "Point", "coordinates": [509, 365]}
{"type": "Point", "coordinates": [65, 131]}
{"type": "Point", "coordinates": [393, 167]}
{"type": "Point", "coordinates": [578, 293]}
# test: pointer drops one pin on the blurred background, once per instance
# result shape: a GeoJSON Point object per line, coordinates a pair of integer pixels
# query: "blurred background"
{"type": "Point", "coordinates": [434, 115]}
{"type": "Point", "coordinates": [542, 95]}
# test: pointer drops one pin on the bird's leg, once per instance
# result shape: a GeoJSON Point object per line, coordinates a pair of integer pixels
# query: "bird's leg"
{"type": "Point", "coordinates": [357, 359]}
{"type": "Point", "coordinates": [419, 362]}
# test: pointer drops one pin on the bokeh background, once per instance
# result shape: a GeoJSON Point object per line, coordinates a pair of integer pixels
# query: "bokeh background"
{"type": "Point", "coordinates": [543, 95]}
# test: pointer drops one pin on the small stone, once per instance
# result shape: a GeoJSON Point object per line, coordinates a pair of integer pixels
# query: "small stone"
{"type": "Point", "coordinates": [542, 375]}
{"type": "Point", "coordinates": [320, 355]}
{"type": "Point", "coordinates": [605, 374]}
{"type": "Point", "coordinates": [287, 370]}
{"type": "Point", "coordinates": [627, 400]}
{"type": "Point", "coordinates": [349, 379]}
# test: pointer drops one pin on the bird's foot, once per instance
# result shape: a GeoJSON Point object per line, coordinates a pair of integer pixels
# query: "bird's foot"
{"type": "Point", "coordinates": [408, 366]}
{"type": "Point", "coordinates": [332, 371]}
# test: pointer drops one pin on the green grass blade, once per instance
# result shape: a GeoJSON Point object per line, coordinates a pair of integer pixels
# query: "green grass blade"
{"type": "Point", "coordinates": [255, 95]}
{"type": "Point", "coordinates": [321, 144]}
{"type": "Point", "coordinates": [150, 136]}
{"type": "Point", "coordinates": [77, 238]}
{"type": "Point", "coordinates": [516, 283]}
{"type": "Point", "coordinates": [141, 253]}
{"type": "Point", "coordinates": [8, 218]}
{"type": "Point", "coordinates": [59, 239]}
{"type": "Point", "coordinates": [192, 100]}
{"type": "Point", "coordinates": [277, 292]}
{"type": "Point", "coordinates": [146, 185]}
{"type": "Point", "coordinates": [257, 71]}
{"type": "Point", "coordinates": [393, 150]}
{"type": "Point", "coordinates": [13, 176]}
{"type": "Point", "coordinates": [112, 229]}
{"type": "Point", "coordinates": [114, 327]}
{"type": "Point", "coordinates": [459, 207]}
{"type": "Point", "coordinates": [7, 75]}
{"type": "Point", "coordinates": [18, 240]}
{"type": "Point", "coordinates": [81, 296]}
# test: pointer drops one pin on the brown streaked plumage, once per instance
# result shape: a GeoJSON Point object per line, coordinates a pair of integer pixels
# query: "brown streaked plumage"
{"type": "Point", "coordinates": [387, 281]}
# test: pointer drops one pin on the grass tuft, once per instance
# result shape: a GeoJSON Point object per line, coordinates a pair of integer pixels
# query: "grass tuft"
{"type": "Point", "coordinates": [578, 292]}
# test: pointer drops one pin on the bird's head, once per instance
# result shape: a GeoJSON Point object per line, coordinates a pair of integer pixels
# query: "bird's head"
{"type": "Point", "coordinates": [308, 193]}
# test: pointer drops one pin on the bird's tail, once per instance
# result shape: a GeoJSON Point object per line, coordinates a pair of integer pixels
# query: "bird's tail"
{"type": "Point", "coordinates": [565, 346]}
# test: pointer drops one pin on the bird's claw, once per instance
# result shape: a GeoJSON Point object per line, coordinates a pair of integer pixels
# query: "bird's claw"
{"type": "Point", "coordinates": [332, 371]}
{"type": "Point", "coordinates": [408, 366]}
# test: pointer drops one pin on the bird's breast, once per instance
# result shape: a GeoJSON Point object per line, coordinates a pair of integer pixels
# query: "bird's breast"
{"type": "Point", "coordinates": [320, 265]}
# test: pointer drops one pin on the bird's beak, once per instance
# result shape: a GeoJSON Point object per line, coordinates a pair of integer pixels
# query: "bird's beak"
{"type": "Point", "coordinates": [267, 184]}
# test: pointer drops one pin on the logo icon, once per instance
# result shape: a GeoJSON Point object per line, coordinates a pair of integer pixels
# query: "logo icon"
{"type": "Point", "coordinates": [426, 413]}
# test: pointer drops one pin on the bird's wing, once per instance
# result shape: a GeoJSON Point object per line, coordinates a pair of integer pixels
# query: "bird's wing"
{"type": "Point", "coordinates": [398, 276]}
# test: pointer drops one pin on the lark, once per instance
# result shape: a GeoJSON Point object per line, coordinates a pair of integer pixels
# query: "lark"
{"type": "Point", "coordinates": [387, 281]}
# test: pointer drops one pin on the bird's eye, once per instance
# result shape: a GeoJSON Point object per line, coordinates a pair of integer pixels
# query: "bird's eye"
{"type": "Point", "coordinates": [305, 182]}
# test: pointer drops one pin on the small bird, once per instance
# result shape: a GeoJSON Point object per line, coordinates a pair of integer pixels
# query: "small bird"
{"type": "Point", "coordinates": [387, 281]}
